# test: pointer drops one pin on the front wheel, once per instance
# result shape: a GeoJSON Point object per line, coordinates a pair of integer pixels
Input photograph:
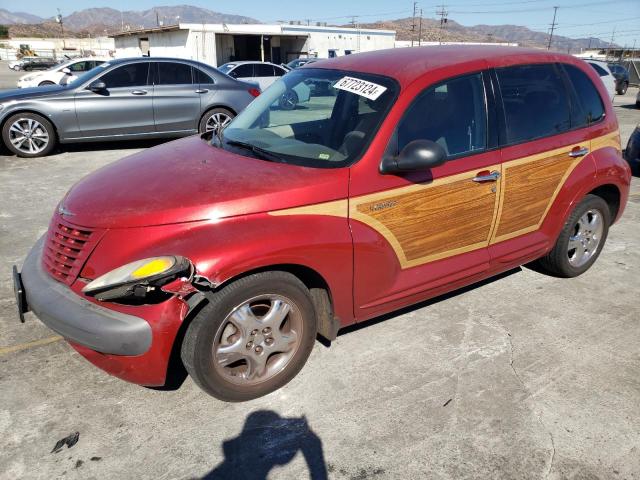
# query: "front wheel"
{"type": "Point", "coordinates": [252, 337]}
{"type": "Point", "coordinates": [45, 83]}
{"type": "Point", "coordinates": [29, 135]}
{"type": "Point", "coordinates": [215, 120]}
{"type": "Point", "coordinates": [623, 88]}
{"type": "Point", "coordinates": [581, 239]}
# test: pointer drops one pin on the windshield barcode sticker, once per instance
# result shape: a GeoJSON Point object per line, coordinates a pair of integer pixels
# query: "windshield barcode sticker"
{"type": "Point", "coordinates": [363, 88]}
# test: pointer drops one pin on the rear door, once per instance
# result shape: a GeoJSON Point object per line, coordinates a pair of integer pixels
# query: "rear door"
{"type": "Point", "coordinates": [176, 97]}
{"type": "Point", "coordinates": [541, 146]}
{"type": "Point", "coordinates": [125, 107]}
{"type": "Point", "coordinates": [264, 75]}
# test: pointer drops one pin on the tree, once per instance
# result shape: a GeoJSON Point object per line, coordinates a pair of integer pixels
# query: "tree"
{"type": "Point", "coordinates": [4, 31]}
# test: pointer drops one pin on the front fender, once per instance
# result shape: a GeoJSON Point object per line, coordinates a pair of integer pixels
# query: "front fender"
{"type": "Point", "coordinates": [224, 249]}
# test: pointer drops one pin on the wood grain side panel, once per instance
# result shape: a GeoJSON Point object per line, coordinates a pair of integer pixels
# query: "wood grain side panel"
{"type": "Point", "coordinates": [434, 222]}
{"type": "Point", "coordinates": [528, 190]}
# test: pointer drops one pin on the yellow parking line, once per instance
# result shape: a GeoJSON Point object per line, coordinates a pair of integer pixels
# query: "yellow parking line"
{"type": "Point", "coordinates": [27, 345]}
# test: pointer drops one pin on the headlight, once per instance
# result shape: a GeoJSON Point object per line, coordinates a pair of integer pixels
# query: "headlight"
{"type": "Point", "coordinates": [137, 278]}
{"type": "Point", "coordinates": [28, 78]}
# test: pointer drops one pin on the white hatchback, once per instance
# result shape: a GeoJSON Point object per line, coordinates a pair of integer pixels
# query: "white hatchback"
{"type": "Point", "coordinates": [60, 74]}
{"type": "Point", "coordinates": [605, 75]}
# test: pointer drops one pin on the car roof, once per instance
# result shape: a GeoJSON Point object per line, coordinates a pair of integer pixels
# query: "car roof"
{"type": "Point", "coordinates": [244, 62]}
{"type": "Point", "coordinates": [411, 63]}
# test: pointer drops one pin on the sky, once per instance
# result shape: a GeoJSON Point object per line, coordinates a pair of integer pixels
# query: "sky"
{"type": "Point", "coordinates": [574, 18]}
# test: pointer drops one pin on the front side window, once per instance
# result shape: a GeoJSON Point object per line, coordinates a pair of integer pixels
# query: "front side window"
{"type": "Point", "coordinates": [313, 117]}
{"type": "Point", "coordinates": [587, 106]}
{"type": "Point", "coordinates": [262, 70]}
{"type": "Point", "coordinates": [80, 67]}
{"type": "Point", "coordinates": [170, 73]}
{"type": "Point", "coordinates": [451, 113]}
{"type": "Point", "coordinates": [132, 75]}
{"type": "Point", "coordinates": [535, 102]}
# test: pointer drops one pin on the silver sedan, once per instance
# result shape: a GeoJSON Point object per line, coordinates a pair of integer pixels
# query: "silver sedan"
{"type": "Point", "coordinates": [123, 99]}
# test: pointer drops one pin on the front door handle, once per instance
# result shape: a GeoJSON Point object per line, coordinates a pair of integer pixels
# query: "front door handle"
{"type": "Point", "coordinates": [202, 90]}
{"type": "Point", "coordinates": [490, 177]}
{"type": "Point", "coordinates": [579, 152]}
{"type": "Point", "coordinates": [138, 92]}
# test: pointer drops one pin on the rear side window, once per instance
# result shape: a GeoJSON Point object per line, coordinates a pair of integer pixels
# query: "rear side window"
{"type": "Point", "coordinates": [535, 102]}
{"type": "Point", "coordinates": [132, 75]}
{"type": "Point", "coordinates": [170, 73]}
{"type": "Point", "coordinates": [200, 77]}
{"type": "Point", "coordinates": [263, 70]}
{"type": "Point", "coordinates": [451, 113]}
{"type": "Point", "coordinates": [587, 105]}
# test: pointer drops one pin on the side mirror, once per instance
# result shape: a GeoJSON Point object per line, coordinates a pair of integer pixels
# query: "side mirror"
{"type": "Point", "coordinates": [98, 86]}
{"type": "Point", "coordinates": [416, 155]}
{"type": "Point", "coordinates": [66, 71]}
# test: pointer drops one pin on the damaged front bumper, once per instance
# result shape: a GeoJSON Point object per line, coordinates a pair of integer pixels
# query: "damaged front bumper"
{"type": "Point", "coordinates": [75, 318]}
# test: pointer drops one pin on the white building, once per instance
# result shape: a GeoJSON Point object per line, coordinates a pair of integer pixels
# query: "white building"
{"type": "Point", "coordinates": [58, 47]}
{"type": "Point", "coordinates": [408, 43]}
{"type": "Point", "coordinates": [216, 44]}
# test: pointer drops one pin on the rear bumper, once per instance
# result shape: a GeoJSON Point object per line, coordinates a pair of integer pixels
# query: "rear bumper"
{"type": "Point", "coordinates": [78, 320]}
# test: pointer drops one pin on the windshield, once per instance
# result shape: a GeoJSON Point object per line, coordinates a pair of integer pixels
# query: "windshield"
{"type": "Point", "coordinates": [314, 117]}
{"type": "Point", "coordinates": [226, 67]}
{"type": "Point", "coordinates": [88, 75]}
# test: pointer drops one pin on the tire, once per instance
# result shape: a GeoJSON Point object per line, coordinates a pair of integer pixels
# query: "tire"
{"type": "Point", "coordinates": [560, 261]}
{"type": "Point", "coordinates": [209, 119]}
{"type": "Point", "coordinates": [288, 100]}
{"type": "Point", "coordinates": [236, 364]}
{"type": "Point", "coordinates": [623, 89]}
{"type": "Point", "coordinates": [42, 135]}
{"type": "Point", "coordinates": [46, 82]}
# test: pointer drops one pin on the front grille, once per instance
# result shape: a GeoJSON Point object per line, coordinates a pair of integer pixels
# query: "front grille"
{"type": "Point", "coordinates": [66, 249]}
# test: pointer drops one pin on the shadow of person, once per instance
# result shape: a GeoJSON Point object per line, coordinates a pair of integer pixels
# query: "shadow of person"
{"type": "Point", "coordinates": [267, 440]}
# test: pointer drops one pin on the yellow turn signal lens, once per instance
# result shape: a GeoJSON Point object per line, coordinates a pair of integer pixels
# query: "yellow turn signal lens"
{"type": "Point", "coordinates": [154, 267]}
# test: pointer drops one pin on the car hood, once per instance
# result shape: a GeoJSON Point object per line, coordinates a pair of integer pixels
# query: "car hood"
{"type": "Point", "coordinates": [34, 92]}
{"type": "Point", "coordinates": [189, 180]}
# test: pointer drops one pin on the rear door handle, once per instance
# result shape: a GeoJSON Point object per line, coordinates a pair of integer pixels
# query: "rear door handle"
{"type": "Point", "coordinates": [579, 152]}
{"type": "Point", "coordinates": [490, 177]}
{"type": "Point", "coordinates": [138, 92]}
{"type": "Point", "coordinates": [202, 90]}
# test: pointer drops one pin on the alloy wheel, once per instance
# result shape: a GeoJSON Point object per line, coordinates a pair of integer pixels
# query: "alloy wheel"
{"type": "Point", "coordinates": [584, 242]}
{"type": "Point", "coordinates": [258, 339]}
{"type": "Point", "coordinates": [217, 122]}
{"type": "Point", "coordinates": [28, 136]}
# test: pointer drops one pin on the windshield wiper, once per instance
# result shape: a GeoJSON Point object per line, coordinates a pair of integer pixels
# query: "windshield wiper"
{"type": "Point", "coordinates": [257, 151]}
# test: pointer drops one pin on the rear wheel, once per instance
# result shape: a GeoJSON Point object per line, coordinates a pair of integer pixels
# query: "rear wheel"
{"type": "Point", "coordinates": [29, 135]}
{"type": "Point", "coordinates": [215, 120]}
{"type": "Point", "coordinates": [581, 239]}
{"type": "Point", "coordinates": [288, 100]}
{"type": "Point", "coordinates": [252, 337]}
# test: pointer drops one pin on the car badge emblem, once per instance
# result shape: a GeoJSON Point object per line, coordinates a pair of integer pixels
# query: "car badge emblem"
{"type": "Point", "coordinates": [63, 211]}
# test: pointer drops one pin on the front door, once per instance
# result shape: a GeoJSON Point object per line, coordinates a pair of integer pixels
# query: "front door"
{"type": "Point", "coordinates": [124, 108]}
{"type": "Point", "coordinates": [176, 97]}
{"type": "Point", "coordinates": [417, 233]}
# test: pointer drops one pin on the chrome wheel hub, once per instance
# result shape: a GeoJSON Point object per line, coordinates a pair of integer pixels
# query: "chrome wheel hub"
{"type": "Point", "coordinates": [28, 135]}
{"type": "Point", "coordinates": [217, 122]}
{"type": "Point", "coordinates": [584, 242]}
{"type": "Point", "coordinates": [257, 339]}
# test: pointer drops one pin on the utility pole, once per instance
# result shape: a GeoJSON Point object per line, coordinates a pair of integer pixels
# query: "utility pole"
{"type": "Point", "coordinates": [420, 30]}
{"type": "Point", "coordinates": [613, 34]}
{"type": "Point", "coordinates": [59, 20]}
{"type": "Point", "coordinates": [354, 24]}
{"type": "Point", "coordinates": [553, 27]}
{"type": "Point", "coordinates": [443, 20]}
{"type": "Point", "coordinates": [413, 21]}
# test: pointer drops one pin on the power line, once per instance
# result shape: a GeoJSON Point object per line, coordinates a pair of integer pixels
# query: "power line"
{"type": "Point", "coordinates": [553, 27]}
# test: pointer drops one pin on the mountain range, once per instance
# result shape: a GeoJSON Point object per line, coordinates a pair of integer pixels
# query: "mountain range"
{"type": "Point", "coordinates": [100, 20]}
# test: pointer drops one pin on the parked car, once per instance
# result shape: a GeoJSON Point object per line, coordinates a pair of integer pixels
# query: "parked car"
{"type": "Point", "coordinates": [122, 100]}
{"type": "Point", "coordinates": [61, 74]}
{"type": "Point", "coordinates": [632, 152]}
{"type": "Point", "coordinates": [621, 75]}
{"type": "Point", "coordinates": [299, 62]}
{"type": "Point", "coordinates": [262, 73]}
{"type": "Point", "coordinates": [638, 99]}
{"type": "Point", "coordinates": [237, 249]}
{"type": "Point", "coordinates": [605, 75]}
{"type": "Point", "coordinates": [17, 64]}
{"type": "Point", "coordinates": [38, 63]}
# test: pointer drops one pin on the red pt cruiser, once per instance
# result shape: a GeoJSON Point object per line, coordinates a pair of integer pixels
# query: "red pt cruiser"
{"type": "Point", "coordinates": [406, 174]}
